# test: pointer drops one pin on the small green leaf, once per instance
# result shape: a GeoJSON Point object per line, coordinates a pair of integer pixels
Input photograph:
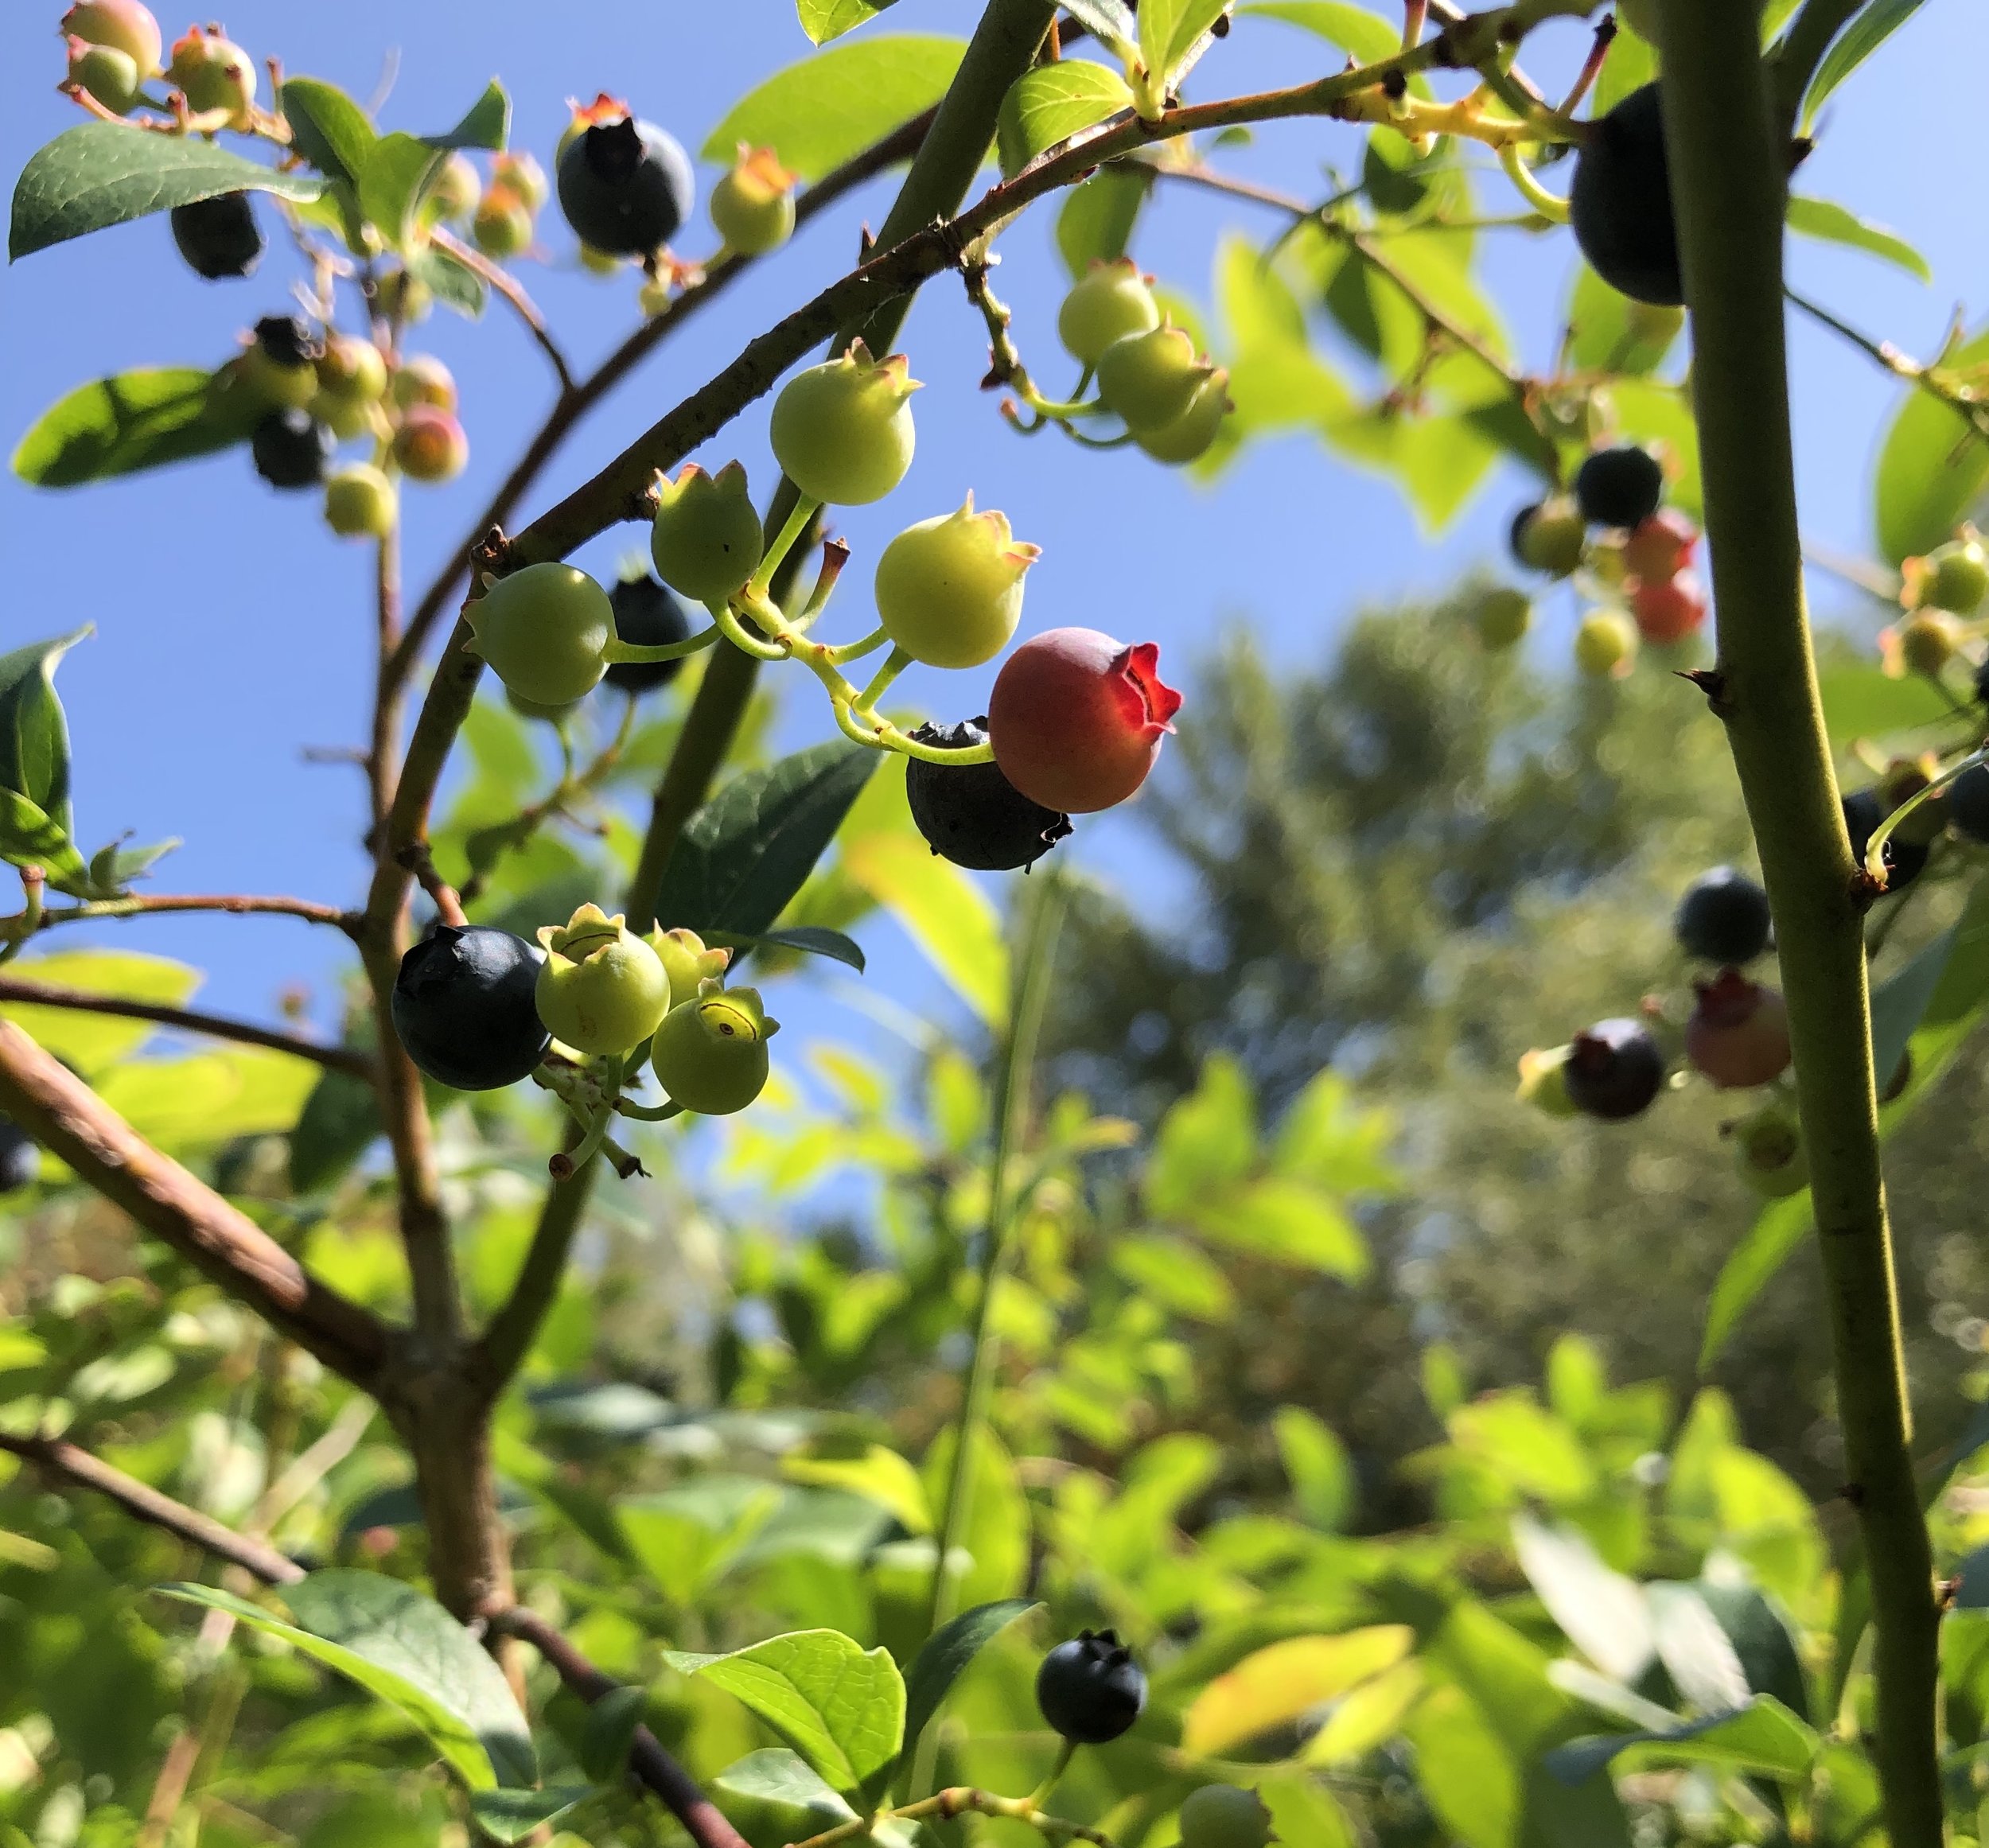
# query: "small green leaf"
{"type": "Point", "coordinates": [822, 20]}
{"type": "Point", "coordinates": [1053, 103]}
{"type": "Point", "coordinates": [406, 1650]}
{"type": "Point", "coordinates": [1866, 33]}
{"type": "Point", "coordinates": [112, 869]}
{"type": "Point", "coordinates": [1762, 1739]}
{"type": "Point", "coordinates": [811, 940]}
{"type": "Point", "coordinates": [487, 126]}
{"type": "Point", "coordinates": [1171, 30]}
{"type": "Point", "coordinates": [34, 735]}
{"type": "Point", "coordinates": [27, 838]}
{"type": "Point", "coordinates": [1324, 1486]}
{"type": "Point", "coordinates": [610, 1731]}
{"type": "Point", "coordinates": [1931, 466]}
{"type": "Point", "coordinates": [946, 1656]}
{"type": "Point", "coordinates": [91, 1043]}
{"type": "Point", "coordinates": [399, 170]}
{"type": "Point", "coordinates": [512, 1815]}
{"type": "Point", "coordinates": [119, 425]}
{"type": "Point", "coordinates": [821, 112]}
{"type": "Point", "coordinates": [1095, 224]}
{"type": "Point", "coordinates": [1604, 334]}
{"type": "Point", "coordinates": [744, 854]}
{"type": "Point", "coordinates": [101, 173]}
{"type": "Point", "coordinates": [1112, 23]}
{"type": "Point", "coordinates": [773, 1796]}
{"type": "Point", "coordinates": [455, 285]}
{"type": "Point", "coordinates": [840, 1706]}
{"type": "Point", "coordinates": [1834, 223]}
{"type": "Point", "coordinates": [328, 128]}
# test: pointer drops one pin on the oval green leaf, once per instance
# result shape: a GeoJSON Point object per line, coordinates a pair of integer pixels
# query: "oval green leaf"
{"type": "Point", "coordinates": [1932, 467]}
{"type": "Point", "coordinates": [1052, 104]}
{"type": "Point", "coordinates": [1834, 223]}
{"type": "Point", "coordinates": [141, 419]}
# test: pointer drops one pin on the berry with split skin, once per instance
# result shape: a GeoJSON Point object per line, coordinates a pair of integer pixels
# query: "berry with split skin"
{"type": "Point", "coordinates": [949, 589]}
{"type": "Point", "coordinates": [463, 1007]}
{"type": "Point", "coordinates": [646, 617]}
{"type": "Point", "coordinates": [1549, 536]}
{"type": "Point", "coordinates": [600, 990]}
{"type": "Point", "coordinates": [122, 26]}
{"type": "Point", "coordinates": [1190, 436]}
{"type": "Point", "coordinates": [753, 207]}
{"type": "Point", "coordinates": [1668, 610]}
{"type": "Point", "coordinates": [842, 430]}
{"type": "Point", "coordinates": [291, 448]}
{"type": "Point", "coordinates": [1605, 644]}
{"type": "Point", "coordinates": [1150, 380]}
{"type": "Point", "coordinates": [1076, 718]}
{"type": "Point", "coordinates": [422, 379]}
{"type": "Point", "coordinates": [710, 1054]}
{"type": "Point", "coordinates": [544, 630]}
{"type": "Point", "coordinates": [214, 72]}
{"type": "Point", "coordinates": [1660, 546]}
{"type": "Point", "coordinates": [502, 226]}
{"type": "Point", "coordinates": [430, 444]}
{"type": "Point", "coordinates": [1620, 487]}
{"type": "Point", "coordinates": [1112, 301]}
{"type": "Point", "coordinates": [1503, 615]}
{"type": "Point", "coordinates": [1613, 1070]}
{"type": "Point", "coordinates": [1904, 860]}
{"type": "Point", "coordinates": [219, 237]}
{"type": "Point", "coordinates": [688, 961]}
{"type": "Point", "coordinates": [1769, 1153]}
{"type": "Point", "coordinates": [1954, 577]}
{"type": "Point", "coordinates": [706, 539]}
{"type": "Point", "coordinates": [624, 186]}
{"type": "Point", "coordinates": [1091, 1690]}
{"type": "Point", "coordinates": [1739, 1032]}
{"type": "Point", "coordinates": [360, 503]}
{"type": "Point", "coordinates": [1723, 918]}
{"type": "Point", "coordinates": [105, 74]}
{"type": "Point", "coordinates": [1620, 204]}
{"type": "Point", "coordinates": [1968, 803]}
{"type": "Point", "coordinates": [971, 814]}
{"type": "Point", "coordinates": [1222, 1815]}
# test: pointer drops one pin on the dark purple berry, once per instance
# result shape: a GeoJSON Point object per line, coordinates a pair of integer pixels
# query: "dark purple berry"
{"type": "Point", "coordinates": [1723, 917]}
{"type": "Point", "coordinates": [20, 1158]}
{"type": "Point", "coordinates": [1982, 684]}
{"type": "Point", "coordinates": [970, 813]}
{"type": "Point", "coordinates": [1090, 1689]}
{"type": "Point", "coordinates": [1620, 487]}
{"type": "Point", "coordinates": [646, 617]}
{"type": "Point", "coordinates": [286, 341]}
{"type": "Point", "coordinates": [219, 237]}
{"type": "Point", "coordinates": [1620, 203]}
{"type": "Point", "coordinates": [1903, 860]}
{"type": "Point", "coordinates": [1613, 1070]}
{"type": "Point", "coordinates": [1968, 803]}
{"type": "Point", "coordinates": [463, 1006]}
{"type": "Point", "coordinates": [625, 187]}
{"type": "Point", "coordinates": [292, 449]}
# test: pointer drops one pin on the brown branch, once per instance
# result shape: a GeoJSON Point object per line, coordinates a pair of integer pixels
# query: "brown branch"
{"type": "Point", "coordinates": [648, 1763]}
{"type": "Point", "coordinates": [78, 1466]}
{"type": "Point", "coordinates": [55, 1107]}
{"type": "Point", "coordinates": [496, 276]}
{"type": "Point", "coordinates": [214, 1025]}
{"type": "Point", "coordinates": [239, 904]}
{"type": "Point", "coordinates": [501, 1350]}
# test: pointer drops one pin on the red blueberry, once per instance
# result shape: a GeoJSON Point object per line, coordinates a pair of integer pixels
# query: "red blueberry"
{"type": "Point", "coordinates": [1076, 718]}
{"type": "Point", "coordinates": [430, 446]}
{"type": "Point", "coordinates": [1668, 609]}
{"type": "Point", "coordinates": [1738, 1033]}
{"type": "Point", "coordinates": [1660, 546]}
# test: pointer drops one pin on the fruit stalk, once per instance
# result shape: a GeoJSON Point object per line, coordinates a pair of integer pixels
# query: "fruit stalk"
{"type": "Point", "coordinates": [1728, 164]}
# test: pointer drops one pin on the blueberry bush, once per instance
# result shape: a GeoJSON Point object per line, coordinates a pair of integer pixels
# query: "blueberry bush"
{"type": "Point", "coordinates": [390, 1453]}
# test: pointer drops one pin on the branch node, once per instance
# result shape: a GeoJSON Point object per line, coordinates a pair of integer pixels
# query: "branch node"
{"type": "Point", "coordinates": [1712, 682]}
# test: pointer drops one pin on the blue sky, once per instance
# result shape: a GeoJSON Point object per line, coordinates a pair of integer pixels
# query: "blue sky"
{"type": "Point", "coordinates": [232, 629]}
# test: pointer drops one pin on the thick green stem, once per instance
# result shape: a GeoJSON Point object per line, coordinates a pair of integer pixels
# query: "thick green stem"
{"type": "Point", "coordinates": [1729, 166]}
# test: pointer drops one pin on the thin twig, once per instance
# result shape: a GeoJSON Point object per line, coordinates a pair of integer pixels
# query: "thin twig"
{"type": "Point", "coordinates": [1964, 400]}
{"type": "Point", "coordinates": [213, 1025]}
{"type": "Point", "coordinates": [239, 904]}
{"type": "Point", "coordinates": [497, 277]}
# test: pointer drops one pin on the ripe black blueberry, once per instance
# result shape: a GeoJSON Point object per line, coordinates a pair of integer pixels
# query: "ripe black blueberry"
{"type": "Point", "coordinates": [1863, 812]}
{"type": "Point", "coordinates": [1723, 917]}
{"type": "Point", "coordinates": [625, 187]}
{"type": "Point", "coordinates": [1620, 203]}
{"type": "Point", "coordinates": [464, 1007]}
{"type": "Point", "coordinates": [1613, 1070]}
{"type": "Point", "coordinates": [286, 340]}
{"type": "Point", "coordinates": [1090, 1689]}
{"type": "Point", "coordinates": [20, 1159]}
{"type": "Point", "coordinates": [219, 236]}
{"type": "Point", "coordinates": [646, 617]}
{"type": "Point", "coordinates": [291, 448]}
{"type": "Point", "coordinates": [1968, 803]}
{"type": "Point", "coordinates": [971, 813]}
{"type": "Point", "coordinates": [1620, 487]}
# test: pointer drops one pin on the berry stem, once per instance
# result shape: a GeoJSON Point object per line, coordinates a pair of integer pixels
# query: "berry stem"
{"type": "Point", "coordinates": [894, 664]}
{"type": "Point", "coordinates": [798, 521]}
{"type": "Point", "coordinates": [1549, 205]}
{"type": "Point", "coordinates": [635, 651]}
{"type": "Point", "coordinates": [857, 650]}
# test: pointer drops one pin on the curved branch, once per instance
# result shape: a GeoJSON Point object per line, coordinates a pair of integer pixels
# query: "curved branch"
{"type": "Point", "coordinates": [55, 1107]}
{"type": "Point", "coordinates": [239, 905]}
{"type": "Point", "coordinates": [214, 1025]}
{"type": "Point", "coordinates": [496, 276]}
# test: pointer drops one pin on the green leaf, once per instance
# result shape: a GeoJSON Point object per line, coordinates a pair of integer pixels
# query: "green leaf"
{"type": "Point", "coordinates": [1170, 30]}
{"type": "Point", "coordinates": [399, 170]}
{"type": "Point", "coordinates": [1763, 1739]}
{"type": "Point", "coordinates": [119, 425]}
{"type": "Point", "coordinates": [1605, 333]}
{"type": "Point", "coordinates": [34, 736]}
{"type": "Point", "coordinates": [1324, 1488]}
{"type": "Point", "coordinates": [29, 837]}
{"type": "Point", "coordinates": [773, 1796]}
{"type": "Point", "coordinates": [1206, 1143]}
{"type": "Point", "coordinates": [1868, 30]}
{"type": "Point", "coordinates": [810, 939]}
{"type": "Point", "coordinates": [1112, 23]}
{"type": "Point", "coordinates": [455, 285]}
{"type": "Point", "coordinates": [686, 1537]}
{"type": "Point", "coordinates": [945, 1657]}
{"type": "Point", "coordinates": [1053, 103]}
{"type": "Point", "coordinates": [1863, 700]}
{"type": "Point", "coordinates": [822, 20]}
{"type": "Point", "coordinates": [1931, 466]}
{"type": "Point", "coordinates": [1834, 223]}
{"type": "Point", "coordinates": [405, 1649]}
{"type": "Point", "coordinates": [90, 1042]}
{"type": "Point", "coordinates": [1289, 1221]}
{"type": "Point", "coordinates": [328, 128]}
{"type": "Point", "coordinates": [211, 1097]}
{"type": "Point", "coordinates": [610, 1732]}
{"type": "Point", "coordinates": [943, 911]}
{"type": "Point", "coordinates": [112, 869]}
{"type": "Point", "coordinates": [1600, 1611]}
{"type": "Point", "coordinates": [840, 1706]}
{"type": "Point", "coordinates": [747, 851]}
{"type": "Point", "coordinates": [101, 173]}
{"type": "Point", "coordinates": [512, 1815]}
{"type": "Point", "coordinates": [823, 112]}
{"type": "Point", "coordinates": [486, 125]}
{"type": "Point", "coordinates": [1095, 224]}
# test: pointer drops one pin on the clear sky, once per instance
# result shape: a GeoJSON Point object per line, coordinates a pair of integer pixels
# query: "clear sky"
{"type": "Point", "coordinates": [232, 629]}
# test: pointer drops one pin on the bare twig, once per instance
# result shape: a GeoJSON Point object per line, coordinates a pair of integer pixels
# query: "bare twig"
{"type": "Point", "coordinates": [239, 904]}
{"type": "Point", "coordinates": [1963, 399]}
{"type": "Point", "coordinates": [497, 277]}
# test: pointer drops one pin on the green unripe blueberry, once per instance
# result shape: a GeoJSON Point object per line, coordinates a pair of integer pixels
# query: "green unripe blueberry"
{"type": "Point", "coordinates": [1503, 615]}
{"type": "Point", "coordinates": [214, 72]}
{"type": "Point", "coordinates": [502, 226]}
{"type": "Point", "coordinates": [524, 176]}
{"type": "Point", "coordinates": [710, 1053]}
{"type": "Point", "coordinates": [842, 430]}
{"type": "Point", "coordinates": [106, 73]}
{"type": "Point", "coordinates": [1112, 301]}
{"type": "Point", "coordinates": [1770, 1152]}
{"type": "Point", "coordinates": [1926, 642]}
{"type": "Point", "coordinates": [688, 962]}
{"type": "Point", "coordinates": [402, 297]}
{"type": "Point", "coordinates": [753, 207]}
{"type": "Point", "coordinates": [1954, 577]}
{"type": "Point", "coordinates": [949, 590]}
{"type": "Point", "coordinates": [1189, 436]}
{"type": "Point", "coordinates": [278, 369]}
{"type": "Point", "coordinates": [706, 539]}
{"type": "Point", "coordinates": [360, 503]}
{"type": "Point", "coordinates": [532, 709]}
{"type": "Point", "coordinates": [1605, 644]}
{"type": "Point", "coordinates": [353, 370]}
{"type": "Point", "coordinates": [1220, 1815]}
{"type": "Point", "coordinates": [544, 631]}
{"type": "Point", "coordinates": [457, 189]}
{"type": "Point", "coordinates": [1550, 536]}
{"type": "Point", "coordinates": [117, 25]}
{"type": "Point", "coordinates": [422, 379]}
{"type": "Point", "coordinates": [1150, 379]}
{"type": "Point", "coordinates": [600, 990]}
